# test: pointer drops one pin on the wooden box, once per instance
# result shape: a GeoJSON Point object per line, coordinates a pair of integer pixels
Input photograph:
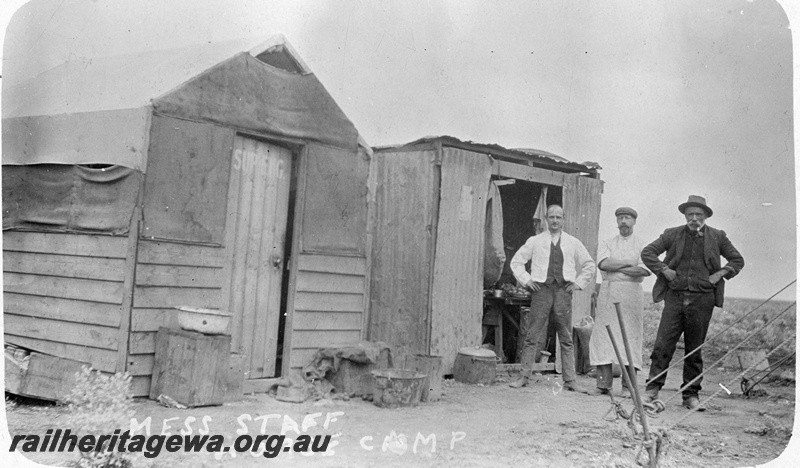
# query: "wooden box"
{"type": "Point", "coordinates": [190, 367]}
{"type": "Point", "coordinates": [234, 382]}
{"type": "Point", "coordinates": [46, 377]}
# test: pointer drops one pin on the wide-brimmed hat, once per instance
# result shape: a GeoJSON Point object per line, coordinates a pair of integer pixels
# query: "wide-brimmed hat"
{"type": "Point", "coordinates": [698, 201]}
{"type": "Point", "coordinates": [626, 210]}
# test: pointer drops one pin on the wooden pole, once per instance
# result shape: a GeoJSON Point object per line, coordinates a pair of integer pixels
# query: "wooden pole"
{"type": "Point", "coordinates": [651, 450]}
{"type": "Point", "coordinates": [619, 359]}
{"type": "Point", "coordinates": [634, 388]}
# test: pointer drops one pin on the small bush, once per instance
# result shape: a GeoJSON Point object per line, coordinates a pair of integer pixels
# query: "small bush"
{"type": "Point", "coordinates": [11, 404]}
{"type": "Point", "coordinates": [100, 404]}
{"type": "Point", "coordinates": [767, 339]}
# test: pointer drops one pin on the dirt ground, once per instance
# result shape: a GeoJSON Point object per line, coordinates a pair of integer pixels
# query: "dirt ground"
{"type": "Point", "coordinates": [473, 425]}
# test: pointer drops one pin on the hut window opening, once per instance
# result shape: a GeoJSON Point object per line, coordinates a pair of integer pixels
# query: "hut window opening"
{"type": "Point", "coordinates": [279, 57]}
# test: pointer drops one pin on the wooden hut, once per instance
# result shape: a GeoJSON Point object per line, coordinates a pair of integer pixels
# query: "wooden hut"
{"type": "Point", "coordinates": [428, 221]}
{"type": "Point", "coordinates": [219, 176]}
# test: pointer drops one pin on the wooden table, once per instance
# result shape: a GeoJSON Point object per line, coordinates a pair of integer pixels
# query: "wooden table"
{"type": "Point", "coordinates": [494, 309]}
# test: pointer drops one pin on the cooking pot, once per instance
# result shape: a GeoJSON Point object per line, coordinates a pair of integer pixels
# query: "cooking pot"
{"type": "Point", "coordinates": [475, 365]}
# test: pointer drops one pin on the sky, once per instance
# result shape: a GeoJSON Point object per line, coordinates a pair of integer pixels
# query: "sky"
{"type": "Point", "coordinates": [671, 98]}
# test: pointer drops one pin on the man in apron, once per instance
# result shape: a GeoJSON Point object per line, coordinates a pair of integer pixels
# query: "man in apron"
{"type": "Point", "coordinates": [620, 263]}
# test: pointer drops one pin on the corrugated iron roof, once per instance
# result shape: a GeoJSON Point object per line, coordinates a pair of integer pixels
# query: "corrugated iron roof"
{"type": "Point", "coordinates": [535, 156]}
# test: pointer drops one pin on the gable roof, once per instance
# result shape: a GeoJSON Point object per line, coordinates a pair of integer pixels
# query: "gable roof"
{"type": "Point", "coordinates": [97, 110]}
{"type": "Point", "coordinates": [133, 80]}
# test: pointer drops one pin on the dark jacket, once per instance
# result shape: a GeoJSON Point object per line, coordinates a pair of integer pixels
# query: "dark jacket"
{"type": "Point", "coordinates": [715, 243]}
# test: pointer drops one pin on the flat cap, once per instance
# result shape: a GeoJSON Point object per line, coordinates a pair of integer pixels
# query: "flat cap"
{"type": "Point", "coordinates": [626, 210]}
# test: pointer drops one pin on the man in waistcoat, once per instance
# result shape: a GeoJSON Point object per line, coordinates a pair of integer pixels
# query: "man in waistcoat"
{"type": "Point", "coordinates": [691, 282]}
{"type": "Point", "coordinates": [560, 264]}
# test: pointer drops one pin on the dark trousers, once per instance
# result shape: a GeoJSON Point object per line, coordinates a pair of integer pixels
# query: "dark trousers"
{"type": "Point", "coordinates": [687, 313]}
{"type": "Point", "coordinates": [551, 302]}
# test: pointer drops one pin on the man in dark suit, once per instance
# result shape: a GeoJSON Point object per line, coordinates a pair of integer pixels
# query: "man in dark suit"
{"type": "Point", "coordinates": [691, 282]}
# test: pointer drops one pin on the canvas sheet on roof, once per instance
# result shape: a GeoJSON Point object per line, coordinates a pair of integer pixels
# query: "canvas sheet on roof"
{"type": "Point", "coordinates": [64, 198]}
{"type": "Point", "coordinates": [248, 94]}
{"type": "Point", "coordinates": [98, 113]}
{"type": "Point", "coordinates": [91, 83]}
{"type": "Point", "coordinates": [116, 137]}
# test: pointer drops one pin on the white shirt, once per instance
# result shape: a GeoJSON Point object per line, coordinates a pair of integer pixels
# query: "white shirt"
{"type": "Point", "coordinates": [537, 250]}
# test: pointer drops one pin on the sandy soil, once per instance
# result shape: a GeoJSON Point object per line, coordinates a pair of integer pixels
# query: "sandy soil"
{"type": "Point", "coordinates": [539, 426]}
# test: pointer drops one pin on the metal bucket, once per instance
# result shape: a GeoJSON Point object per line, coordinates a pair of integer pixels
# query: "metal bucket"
{"type": "Point", "coordinates": [393, 388]}
{"type": "Point", "coordinates": [475, 366]}
{"type": "Point", "coordinates": [431, 366]}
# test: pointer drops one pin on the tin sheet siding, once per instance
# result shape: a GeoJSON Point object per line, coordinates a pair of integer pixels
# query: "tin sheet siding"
{"type": "Point", "coordinates": [402, 251]}
{"type": "Point", "coordinates": [328, 304]}
{"type": "Point", "coordinates": [457, 300]}
{"type": "Point", "coordinates": [581, 197]}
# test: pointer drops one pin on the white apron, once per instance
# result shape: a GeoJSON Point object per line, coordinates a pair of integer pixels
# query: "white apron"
{"type": "Point", "coordinates": [627, 290]}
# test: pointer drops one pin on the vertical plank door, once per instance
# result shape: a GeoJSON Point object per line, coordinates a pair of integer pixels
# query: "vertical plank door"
{"type": "Point", "coordinates": [258, 202]}
{"type": "Point", "coordinates": [402, 251]}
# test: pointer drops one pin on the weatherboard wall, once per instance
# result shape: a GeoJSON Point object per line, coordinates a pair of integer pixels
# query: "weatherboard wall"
{"type": "Point", "coordinates": [101, 299]}
{"type": "Point", "coordinates": [168, 275]}
{"type": "Point", "coordinates": [328, 304]}
{"type": "Point", "coordinates": [63, 294]}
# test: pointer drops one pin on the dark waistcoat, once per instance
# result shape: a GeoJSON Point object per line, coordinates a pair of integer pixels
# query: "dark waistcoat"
{"type": "Point", "coordinates": [555, 269]}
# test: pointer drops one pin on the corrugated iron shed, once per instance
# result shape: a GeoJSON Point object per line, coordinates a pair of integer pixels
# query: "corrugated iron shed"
{"type": "Point", "coordinates": [446, 199]}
